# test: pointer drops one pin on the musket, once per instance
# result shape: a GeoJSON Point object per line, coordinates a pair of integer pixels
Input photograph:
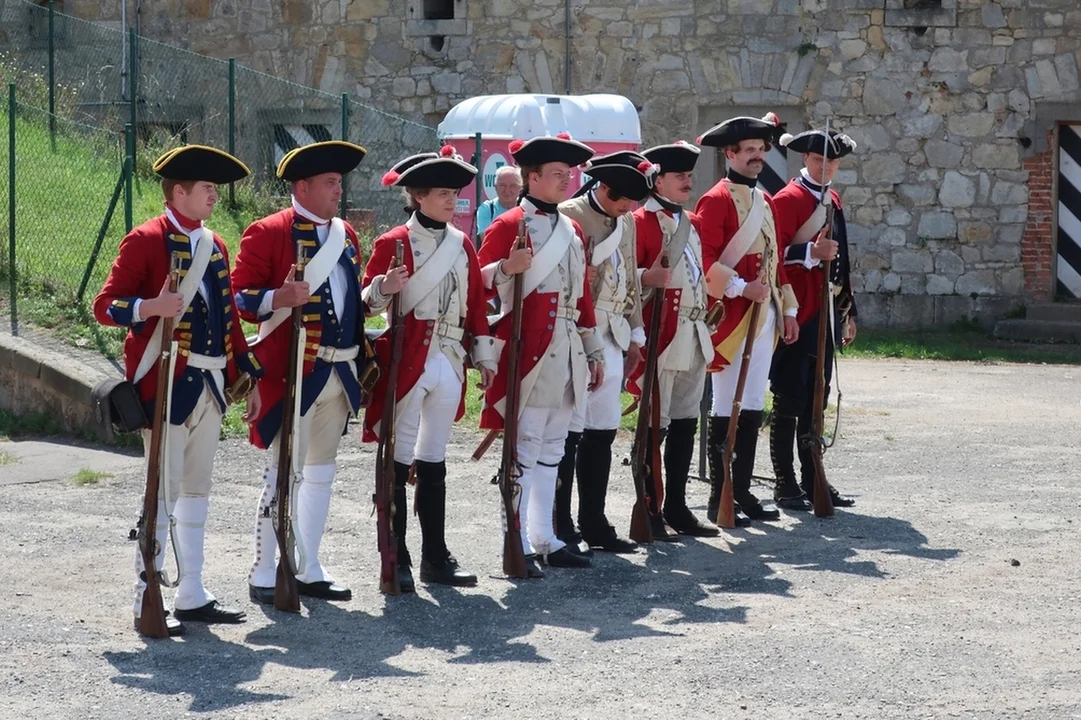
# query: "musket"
{"type": "Point", "coordinates": [152, 616]}
{"type": "Point", "coordinates": [726, 510]}
{"type": "Point", "coordinates": [509, 469]}
{"type": "Point", "coordinates": [286, 596]}
{"type": "Point", "coordinates": [385, 506]}
{"type": "Point", "coordinates": [647, 429]}
{"type": "Point", "coordinates": [823, 503]}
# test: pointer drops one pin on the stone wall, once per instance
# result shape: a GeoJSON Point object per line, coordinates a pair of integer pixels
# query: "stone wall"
{"type": "Point", "coordinates": [949, 100]}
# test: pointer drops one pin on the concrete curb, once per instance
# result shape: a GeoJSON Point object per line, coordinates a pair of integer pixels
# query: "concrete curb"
{"type": "Point", "coordinates": [35, 379]}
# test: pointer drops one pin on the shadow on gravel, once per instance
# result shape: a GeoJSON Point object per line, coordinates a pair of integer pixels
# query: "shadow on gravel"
{"type": "Point", "coordinates": [830, 544]}
{"type": "Point", "coordinates": [202, 665]}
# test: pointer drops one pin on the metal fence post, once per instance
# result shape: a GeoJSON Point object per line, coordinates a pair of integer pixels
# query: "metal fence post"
{"type": "Point", "coordinates": [11, 208]}
{"type": "Point", "coordinates": [477, 162]}
{"type": "Point", "coordinates": [232, 122]}
{"type": "Point", "coordinates": [129, 171]}
{"type": "Point", "coordinates": [52, 79]}
{"type": "Point", "coordinates": [132, 85]}
{"type": "Point", "coordinates": [345, 137]}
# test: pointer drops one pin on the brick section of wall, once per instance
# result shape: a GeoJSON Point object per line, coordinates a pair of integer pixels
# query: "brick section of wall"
{"type": "Point", "coordinates": [1037, 246]}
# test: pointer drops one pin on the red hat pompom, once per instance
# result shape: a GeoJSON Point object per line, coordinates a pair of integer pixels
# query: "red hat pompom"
{"type": "Point", "coordinates": [390, 178]}
{"type": "Point", "coordinates": [697, 140]}
{"type": "Point", "coordinates": [644, 166]}
{"type": "Point", "coordinates": [515, 146]}
{"type": "Point", "coordinates": [773, 118]}
{"type": "Point", "coordinates": [680, 142]}
{"type": "Point", "coordinates": [564, 136]}
{"type": "Point", "coordinates": [446, 150]}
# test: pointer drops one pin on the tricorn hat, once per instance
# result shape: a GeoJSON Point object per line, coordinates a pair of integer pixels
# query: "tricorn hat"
{"type": "Point", "coordinates": [200, 162]}
{"type": "Point", "coordinates": [735, 130]}
{"type": "Point", "coordinates": [336, 156]}
{"type": "Point", "coordinates": [546, 149]}
{"type": "Point", "coordinates": [814, 141]}
{"type": "Point", "coordinates": [445, 169]}
{"type": "Point", "coordinates": [627, 173]}
{"type": "Point", "coordinates": [679, 156]}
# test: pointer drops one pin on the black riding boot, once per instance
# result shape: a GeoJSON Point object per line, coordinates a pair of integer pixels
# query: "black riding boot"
{"type": "Point", "coordinates": [750, 421]}
{"type": "Point", "coordinates": [678, 452]}
{"type": "Point", "coordinates": [782, 439]}
{"type": "Point", "coordinates": [655, 492]}
{"type": "Point", "coordinates": [594, 465]}
{"type": "Point", "coordinates": [805, 444]}
{"type": "Point", "coordinates": [437, 565]}
{"type": "Point", "coordinates": [564, 523]}
{"type": "Point", "coordinates": [401, 516]}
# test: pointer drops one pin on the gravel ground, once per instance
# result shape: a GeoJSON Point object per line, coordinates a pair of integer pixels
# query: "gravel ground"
{"type": "Point", "coordinates": [908, 605]}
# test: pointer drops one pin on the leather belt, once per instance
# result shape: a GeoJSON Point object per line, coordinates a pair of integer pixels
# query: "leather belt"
{"type": "Point", "coordinates": [565, 312]}
{"type": "Point", "coordinates": [693, 313]}
{"type": "Point", "coordinates": [336, 355]}
{"type": "Point", "coordinates": [612, 306]}
{"type": "Point", "coordinates": [453, 332]}
{"type": "Point", "coordinates": [206, 362]}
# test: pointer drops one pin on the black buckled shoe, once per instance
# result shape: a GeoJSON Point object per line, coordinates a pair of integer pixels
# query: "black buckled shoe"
{"type": "Point", "coordinates": [533, 568]}
{"type": "Point", "coordinates": [446, 573]}
{"type": "Point", "coordinates": [174, 626]}
{"type": "Point", "coordinates": [324, 590]}
{"type": "Point", "coordinates": [262, 595]}
{"type": "Point", "coordinates": [790, 496]}
{"type": "Point", "coordinates": [755, 511]}
{"type": "Point", "coordinates": [566, 559]}
{"type": "Point", "coordinates": [741, 521]}
{"type": "Point", "coordinates": [683, 521]}
{"type": "Point", "coordinates": [613, 543]}
{"type": "Point", "coordinates": [576, 545]}
{"type": "Point", "coordinates": [405, 579]}
{"type": "Point", "coordinates": [661, 531]}
{"type": "Point", "coordinates": [836, 498]}
{"type": "Point", "coordinates": [213, 613]}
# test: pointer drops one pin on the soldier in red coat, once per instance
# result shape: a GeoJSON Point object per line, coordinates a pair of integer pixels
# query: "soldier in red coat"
{"type": "Point", "coordinates": [801, 216]}
{"type": "Point", "coordinates": [443, 305]}
{"type": "Point", "coordinates": [560, 355]}
{"type": "Point", "coordinates": [212, 357]}
{"type": "Point", "coordinates": [334, 349]}
{"type": "Point", "coordinates": [740, 250]}
{"type": "Point", "coordinates": [665, 227]}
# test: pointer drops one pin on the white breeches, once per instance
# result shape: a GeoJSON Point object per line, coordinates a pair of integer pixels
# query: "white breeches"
{"type": "Point", "coordinates": [425, 420]}
{"type": "Point", "coordinates": [754, 389]}
{"type": "Point", "coordinates": [603, 406]}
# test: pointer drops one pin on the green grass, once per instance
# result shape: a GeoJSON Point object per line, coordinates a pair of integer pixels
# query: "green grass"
{"type": "Point", "coordinates": [36, 424]}
{"type": "Point", "coordinates": [86, 476]}
{"type": "Point", "coordinates": [960, 343]}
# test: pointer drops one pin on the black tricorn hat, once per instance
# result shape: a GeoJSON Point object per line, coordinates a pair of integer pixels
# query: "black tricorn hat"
{"type": "Point", "coordinates": [444, 169]}
{"type": "Point", "coordinates": [814, 141]}
{"type": "Point", "coordinates": [679, 156]}
{"type": "Point", "coordinates": [200, 162]}
{"type": "Point", "coordinates": [734, 130]}
{"type": "Point", "coordinates": [307, 161]}
{"type": "Point", "coordinates": [546, 149]}
{"type": "Point", "coordinates": [628, 174]}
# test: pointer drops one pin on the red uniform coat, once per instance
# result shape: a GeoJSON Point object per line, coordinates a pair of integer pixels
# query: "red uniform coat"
{"type": "Point", "coordinates": [139, 271]}
{"type": "Point", "coordinates": [650, 239]}
{"type": "Point", "coordinates": [793, 205]}
{"type": "Point", "coordinates": [414, 346]}
{"type": "Point", "coordinates": [536, 323]}
{"type": "Point", "coordinates": [267, 251]}
{"type": "Point", "coordinates": [719, 222]}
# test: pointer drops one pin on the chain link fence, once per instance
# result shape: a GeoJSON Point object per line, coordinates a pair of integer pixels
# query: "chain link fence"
{"type": "Point", "coordinates": [79, 87]}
